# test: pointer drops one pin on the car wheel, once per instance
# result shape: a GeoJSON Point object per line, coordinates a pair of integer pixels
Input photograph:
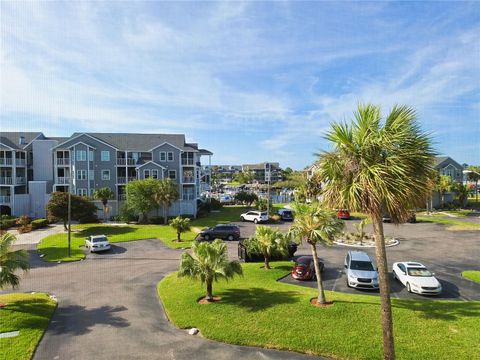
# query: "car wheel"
{"type": "Point", "coordinates": [207, 237]}
{"type": "Point", "coordinates": [348, 285]}
{"type": "Point", "coordinates": [409, 289]}
{"type": "Point", "coordinates": [230, 237]}
{"type": "Point", "coordinates": [394, 275]}
{"type": "Point", "coordinates": [314, 277]}
{"type": "Point", "coordinates": [255, 221]}
{"type": "Point", "coordinates": [242, 218]}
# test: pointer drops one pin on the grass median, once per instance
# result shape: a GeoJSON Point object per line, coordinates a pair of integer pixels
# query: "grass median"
{"type": "Point", "coordinates": [30, 315]}
{"type": "Point", "coordinates": [473, 275]}
{"type": "Point", "coordinates": [455, 225]}
{"type": "Point", "coordinates": [54, 247]}
{"type": "Point", "coordinates": [257, 310]}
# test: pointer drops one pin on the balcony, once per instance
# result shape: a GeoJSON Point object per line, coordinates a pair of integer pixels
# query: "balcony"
{"type": "Point", "coordinates": [62, 180]}
{"type": "Point", "coordinates": [5, 199]}
{"type": "Point", "coordinates": [63, 161]}
{"type": "Point", "coordinates": [123, 179]}
{"type": "Point", "coordinates": [21, 181]}
{"type": "Point", "coordinates": [188, 180]}
{"type": "Point", "coordinates": [123, 161]}
{"type": "Point", "coordinates": [20, 162]}
{"type": "Point", "coordinates": [6, 161]}
{"type": "Point", "coordinates": [188, 197]}
{"type": "Point", "coordinates": [187, 162]}
{"type": "Point", "coordinates": [6, 181]}
{"type": "Point", "coordinates": [122, 197]}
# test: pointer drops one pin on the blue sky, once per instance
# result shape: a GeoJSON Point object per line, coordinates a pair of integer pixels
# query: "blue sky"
{"type": "Point", "coordinates": [251, 81]}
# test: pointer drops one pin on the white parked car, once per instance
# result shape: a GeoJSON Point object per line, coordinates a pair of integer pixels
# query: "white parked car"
{"type": "Point", "coordinates": [360, 270]}
{"type": "Point", "coordinates": [416, 278]}
{"type": "Point", "coordinates": [97, 243]}
{"type": "Point", "coordinates": [255, 216]}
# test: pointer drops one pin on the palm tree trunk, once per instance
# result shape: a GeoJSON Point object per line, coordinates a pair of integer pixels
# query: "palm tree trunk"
{"type": "Point", "coordinates": [178, 236]}
{"type": "Point", "coordinates": [165, 220]}
{"type": "Point", "coordinates": [104, 212]}
{"type": "Point", "coordinates": [385, 303]}
{"type": "Point", "coordinates": [209, 296]}
{"type": "Point", "coordinates": [321, 294]}
{"type": "Point", "coordinates": [267, 263]}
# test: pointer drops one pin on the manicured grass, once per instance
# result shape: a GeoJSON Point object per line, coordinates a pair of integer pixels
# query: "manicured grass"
{"type": "Point", "coordinates": [28, 313]}
{"type": "Point", "coordinates": [457, 225]}
{"type": "Point", "coordinates": [473, 275]}
{"type": "Point", "coordinates": [257, 310]}
{"type": "Point", "coordinates": [54, 247]}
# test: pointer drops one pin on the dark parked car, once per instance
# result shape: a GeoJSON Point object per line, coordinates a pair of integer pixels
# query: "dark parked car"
{"type": "Point", "coordinates": [304, 268]}
{"type": "Point", "coordinates": [220, 231]}
{"type": "Point", "coordinates": [286, 214]}
{"type": "Point", "coordinates": [343, 214]}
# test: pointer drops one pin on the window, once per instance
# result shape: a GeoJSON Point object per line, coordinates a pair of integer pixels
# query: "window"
{"type": "Point", "coordinates": [91, 174]}
{"type": "Point", "coordinates": [81, 175]}
{"type": "Point", "coordinates": [105, 174]}
{"type": "Point", "coordinates": [146, 174]}
{"type": "Point", "coordinates": [163, 156]}
{"type": "Point", "coordinates": [81, 155]}
{"type": "Point", "coordinates": [105, 156]}
{"type": "Point", "coordinates": [82, 192]}
{"type": "Point", "coordinates": [155, 174]}
{"type": "Point", "coordinates": [170, 156]}
{"type": "Point", "coordinates": [92, 191]}
{"type": "Point", "coordinates": [90, 155]}
{"type": "Point", "coordinates": [172, 174]}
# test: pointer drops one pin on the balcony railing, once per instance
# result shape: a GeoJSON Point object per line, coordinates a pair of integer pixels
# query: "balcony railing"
{"type": "Point", "coordinates": [20, 180]}
{"type": "Point", "coordinates": [5, 199]}
{"type": "Point", "coordinates": [188, 180]}
{"type": "Point", "coordinates": [20, 162]}
{"type": "Point", "coordinates": [123, 161]}
{"type": "Point", "coordinates": [63, 161]}
{"type": "Point", "coordinates": [187, 162]}
{"type": "Point", "coordinates": [5, 161]}
{"type": "Point", "coordinates": [6, 181]}
{"type": "Point", "coordinates": [123, 179]}
{"type": "Point", "coordinates": [62, 180]}
{"type": "Point", "coordinates": [122, 197]}
{"type": "Point", "coordinates": [188, 197]}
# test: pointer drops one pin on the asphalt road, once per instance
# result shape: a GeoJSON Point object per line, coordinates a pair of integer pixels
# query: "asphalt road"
{"type": "Point", "coordinates": [108, 306]}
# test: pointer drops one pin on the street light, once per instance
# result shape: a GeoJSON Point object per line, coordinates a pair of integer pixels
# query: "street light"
{"type": "Point", "coordinates": [476, 183]}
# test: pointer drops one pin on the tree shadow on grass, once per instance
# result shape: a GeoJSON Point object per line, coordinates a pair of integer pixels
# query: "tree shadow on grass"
{"type": "Point", "coordinates": [257, 299]}
{"type": "Point", "coordinates": [440, 310]}
{"type": "Point", "coordinates": [77, 320]}
{"type": "Point", "coordinates": [106, 230]}
{"type": "Point", "coordinates": [36, 312]}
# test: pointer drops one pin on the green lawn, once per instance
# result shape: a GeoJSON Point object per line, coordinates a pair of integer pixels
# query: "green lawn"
{"type": "Point", "coordinates": [473, 275]}
{"type": "Point", "coordinates": [54, 247]}
{"type": "Point", "coordinates": [456, 225]}
{"type": "Point", "coordinates": [28, 313]}
{"type": "Point", "coordinates": [257, 310]}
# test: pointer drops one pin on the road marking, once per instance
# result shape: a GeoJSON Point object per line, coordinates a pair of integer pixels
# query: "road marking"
{"type": "Point", "coordinates": [335, 282]}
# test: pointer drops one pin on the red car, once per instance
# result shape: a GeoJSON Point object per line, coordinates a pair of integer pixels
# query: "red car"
{"type": "Point", "coordinates": [304, 268]}
{"type": "Point", "coordinates": [343, 214]}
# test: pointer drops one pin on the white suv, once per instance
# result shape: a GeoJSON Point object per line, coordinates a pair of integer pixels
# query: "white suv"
{"type": "Point", "coordinates": [97, 243]}
{"type": "Point", "coordinates": [361, 273]}
{"type": "Point", "coordinates": [255, 216]}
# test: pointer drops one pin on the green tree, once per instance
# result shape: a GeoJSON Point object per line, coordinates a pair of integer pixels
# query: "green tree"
{"type": "Point", "coordinates": [245, 197]}
{"type": "Point", "coordinates": [443, 186]}
{"type": "Point", "coordinates": [473, 174]}
{"type": "Point", "coordinates": [376, 167]}
{"type": "Point", "coordinates": [268, 241]}
{"type": "Point", "coordinates": [11, 261]}
{"type": "Point", "coordinates": [245, 177]}
{"type": "Point", "coordinates": [104, 194]}
{"type": "Point", "coordinates": [315, 225]}
{"type": "Point", "coordinates": [81, 208]}
{"type": "Point", "coordinates": [141, 195]}
{"type": "Point", "coordinates": [166, 195]}
{"type": "Point", "coordinates": [181, 225]}
{"type": "Point", "coordinates": [208, 263]}
{"type": "Point", "coordinates": [461, 191]}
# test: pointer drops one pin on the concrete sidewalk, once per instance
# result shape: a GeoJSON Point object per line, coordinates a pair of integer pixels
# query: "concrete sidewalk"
{"type": "Point", "coordinates": [35, 236]}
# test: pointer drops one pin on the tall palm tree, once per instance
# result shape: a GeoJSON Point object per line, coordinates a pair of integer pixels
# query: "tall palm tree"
{"type": "Point", "coordinates": [376, 167]}
{"type": "Point", "coordinates": [270, 240]}
{"type": "Point", "coordinates": [315, 225]}
{"type": "Point", "coordinates": [166, 195]}
{"type": "Point", "coordinates": [180, 225]}
{"type": "Point", "coordinates": [10, 261]}
{"type": "Point", "coordinates": [103, 194]}
{"type": "Point", "coordinates": [444, 185]}
{"type": "Point", "coordinates": [208, 263]}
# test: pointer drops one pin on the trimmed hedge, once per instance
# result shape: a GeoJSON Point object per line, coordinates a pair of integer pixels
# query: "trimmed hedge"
{"type": "Point", "coordinates": [39, 223]}
{"type": "Point", "coordinates": [7, 223]}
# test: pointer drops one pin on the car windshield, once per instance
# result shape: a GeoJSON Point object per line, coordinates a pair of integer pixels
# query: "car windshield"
{"type": "Point", "coordinates": [303, 261]}
{"type": "Point", "coordinates": [361, 265]}
{"type": "Point", "coordinates": [101, 239]}
{"type": "Point", "coordinates": [419, 272]}
{"type": "Point", "coordinates": [263, 214]}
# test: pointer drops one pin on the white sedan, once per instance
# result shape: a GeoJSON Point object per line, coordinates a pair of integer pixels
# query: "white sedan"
{"type": "Point", "coordinates": [416, 278]}
{"type": "Point", "coordinates": [97, 243]}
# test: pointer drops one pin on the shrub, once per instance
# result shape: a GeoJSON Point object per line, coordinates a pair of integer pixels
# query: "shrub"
{"type": "Point", "coordinates": [215, 204]}
{"type": "Point", "coordinates": [24, 223]}
{"type": "Point", "coordinates": [157, 220]}
{"type": "Point", "coordinates": [7, 223]}
{"type": "Point", "coordinates": [39, 223]}
{"type": "Point", "coordinates": [275, 218]}
{"type": "Point", "coordinates": [127, 214]}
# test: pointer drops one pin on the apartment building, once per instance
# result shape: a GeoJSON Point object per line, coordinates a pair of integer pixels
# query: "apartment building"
{"type": "Point", "coordinates": [84, 162]}
{"type": "Point", "coordinates": [263, 171]}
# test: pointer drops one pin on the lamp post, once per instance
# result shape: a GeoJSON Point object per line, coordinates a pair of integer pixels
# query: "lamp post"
{"type": "Point", "coordinates": [69, 212]}
{"type": "Point", "coordinates": [268, 188]}
{"type": "Point", "coordinates": [476, 182]}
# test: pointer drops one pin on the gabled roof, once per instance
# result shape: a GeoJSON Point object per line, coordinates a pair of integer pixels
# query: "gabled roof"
{"type": "Point", "coordinates": [150, 162]}
{"type": "Point", "coordinates": [439, 161]}
{"type": "Point", "coordinates": [11, 139]}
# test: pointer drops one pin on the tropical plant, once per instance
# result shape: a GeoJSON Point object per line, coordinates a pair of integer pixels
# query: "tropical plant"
{"type": "Point", "coordinates": [360, 227]}
{"type": "Point", "coordinates": [268, 241]}
{"type": "Point", "coordinates": [316, 225]}
{"type": "Point", "coordinates": [461, 191]}
{"type": "Point", "coordinates": [104, 194]}
{"type": "Point", "coordinates": [181, 225]}
{"type": "Point", "coordinates": [81, 209]}
{"type": "Point", "coordinates": [10, 261]}
{"type": "Point", "coordinates": [245, 177]}
{"type": "Point", "coordinates": [141, 196]}
{"type": "Point", "coordinates": [443, 186]}
{"type": "Point", "coordinates": [245, 197]}
{"type": "Point", "coordinates": [166, 195]}
{"type": "Point", "coordinates": [208, 263]}
{"type": "Point", "coordinates": [377, 167]}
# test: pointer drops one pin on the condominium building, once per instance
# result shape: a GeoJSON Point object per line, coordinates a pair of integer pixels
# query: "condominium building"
{"type": "Point", "coordinates": [33, 165]}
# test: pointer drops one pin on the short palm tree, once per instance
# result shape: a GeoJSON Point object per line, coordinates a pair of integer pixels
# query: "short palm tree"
{"type": "Point", "coordinates": [444, 185]}
{"type": "Point", "coordinates": [103, 194]}
{"type": "Point", "coordinates": [208, 263]}
{"type": "Point", "coordinates": [376, 167]}
{"type": "Point", "coordinates": [10, 261]}
{"type": "Point", "coordinates": [270, 240]}
{"type": "Point", "coordinates": [315, 225]}
{"type": "Point", "coordinates": [181, 225]}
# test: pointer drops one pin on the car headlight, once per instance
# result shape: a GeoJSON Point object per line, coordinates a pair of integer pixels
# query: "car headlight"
{"type": "Point", "coordinates": [350, 276]}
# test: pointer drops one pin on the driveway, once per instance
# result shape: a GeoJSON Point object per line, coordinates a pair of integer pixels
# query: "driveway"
{"type": "Point", "coordinates": [108, 309]}
{"type": "Point", "coordinates": [35, 236]}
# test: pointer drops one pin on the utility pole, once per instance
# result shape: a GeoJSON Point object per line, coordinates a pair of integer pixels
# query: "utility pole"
{"type": "Point", "coordinates": [69, 211]}
{"type": "Point", "coordinates": [268, 188]}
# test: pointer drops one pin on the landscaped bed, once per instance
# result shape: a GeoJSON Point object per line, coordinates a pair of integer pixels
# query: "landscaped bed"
{"type": "Point", "coordinates": [473, 275]}
{"type": "Point", "coordinates": [29, 314]}
{"type": "Point", "coordinates": [54, 247]}
{"type": "Point", "coordinates": [258, 310]}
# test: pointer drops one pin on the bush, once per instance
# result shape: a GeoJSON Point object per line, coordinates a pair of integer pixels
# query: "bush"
{"type": "Point", "coordinates": [24, 223]}
{"type": "Point", "coordinates": [275, 218]}
{"type": "Point", "coordinates": [252, 252]}
{"type": "Point", "coordinates": [39, 223]}
{"type": "Point", "coordinates": [7, 217]}
{"type": "Point", "coordinates": [215, 204]}
{"type": "Point", "coordinates": [127, 214]}
{"type": "Point", "coordinates": [157, 220]}
{"type": "Point", "coordinates": [7, 223]}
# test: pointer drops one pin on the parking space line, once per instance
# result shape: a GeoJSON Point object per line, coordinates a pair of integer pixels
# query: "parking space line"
{"type": "Point", "coordinates": [335, 282]}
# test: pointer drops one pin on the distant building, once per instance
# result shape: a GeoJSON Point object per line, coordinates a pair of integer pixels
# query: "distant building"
{"type": "Point", "coordinates": [263, 171]}
{"type": "Point", "coordinates": [445, 165]}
